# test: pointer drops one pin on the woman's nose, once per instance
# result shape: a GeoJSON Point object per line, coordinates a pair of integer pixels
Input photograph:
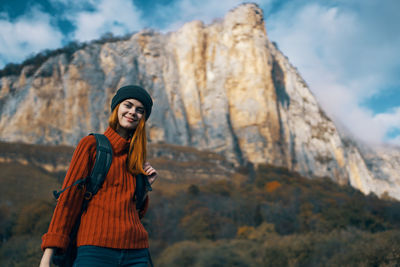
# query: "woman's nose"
{"type": "Point", "coordinates": [132, 111]}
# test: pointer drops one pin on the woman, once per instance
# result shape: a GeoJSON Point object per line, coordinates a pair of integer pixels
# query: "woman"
{"type": "Point", "coordinates": [110, 232]}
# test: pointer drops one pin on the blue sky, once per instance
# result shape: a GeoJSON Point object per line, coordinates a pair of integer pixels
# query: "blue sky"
{"type": "Point", "coordinates": [348, 51]}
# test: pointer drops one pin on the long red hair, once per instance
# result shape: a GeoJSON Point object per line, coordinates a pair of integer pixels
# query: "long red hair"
{"type": "Point", "coordinates": [137, 148]}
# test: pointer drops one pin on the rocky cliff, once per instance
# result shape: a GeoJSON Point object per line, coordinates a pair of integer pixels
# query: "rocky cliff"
{"type": "Point", "coordinates": [222, 87]}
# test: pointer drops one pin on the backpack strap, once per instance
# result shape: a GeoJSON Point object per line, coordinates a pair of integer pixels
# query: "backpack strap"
{"type": "Point", "coordinates": [142, 188]}
{"type": "Point", "coordinates": [101, 165]}
{"type": "Point", "coordinates": [99, 172]}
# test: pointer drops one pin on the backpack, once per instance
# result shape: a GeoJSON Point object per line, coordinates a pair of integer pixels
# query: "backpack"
{"type": "Point", "coordinates": [93, 183]}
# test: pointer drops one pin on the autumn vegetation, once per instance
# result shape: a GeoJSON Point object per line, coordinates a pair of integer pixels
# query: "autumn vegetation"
{"type": "Point", "coordinates": [263, 216]}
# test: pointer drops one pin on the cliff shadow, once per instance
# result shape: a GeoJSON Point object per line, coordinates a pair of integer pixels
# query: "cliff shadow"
{"type": "Point", "coordinates": [278, 78]}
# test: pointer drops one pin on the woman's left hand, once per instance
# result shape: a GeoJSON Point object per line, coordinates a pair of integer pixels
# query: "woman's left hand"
{"type": "Point", "coordinates": [150, 172]}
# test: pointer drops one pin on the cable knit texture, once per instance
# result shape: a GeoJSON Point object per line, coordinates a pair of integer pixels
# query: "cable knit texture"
{"type": "Point", "coordinates": [111, 219]}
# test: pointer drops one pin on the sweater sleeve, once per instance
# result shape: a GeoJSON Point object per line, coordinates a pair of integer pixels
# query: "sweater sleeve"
{"type": "Point", "coordinates": [70, 201]}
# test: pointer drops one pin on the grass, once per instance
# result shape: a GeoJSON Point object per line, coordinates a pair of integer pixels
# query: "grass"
{"type": "Point", "coordinates": [22, 184]}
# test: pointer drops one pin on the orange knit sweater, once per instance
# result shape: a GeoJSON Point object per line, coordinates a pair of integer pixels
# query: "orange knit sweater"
{"type": "Point", "coordinates": [111, 219]}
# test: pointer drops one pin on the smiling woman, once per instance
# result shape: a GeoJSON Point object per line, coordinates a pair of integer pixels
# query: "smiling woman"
{"type": "Point", "coordinates": [119, 236]}
{"type": "Point", "coordinates": [130, 112]}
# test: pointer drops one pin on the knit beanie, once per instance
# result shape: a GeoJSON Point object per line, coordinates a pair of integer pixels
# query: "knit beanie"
{"type": "Point", "coordinates": [136, 92]}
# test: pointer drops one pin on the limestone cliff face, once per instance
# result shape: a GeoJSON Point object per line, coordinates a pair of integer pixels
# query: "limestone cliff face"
{"type": "Point", "coordinates": [222, 87]}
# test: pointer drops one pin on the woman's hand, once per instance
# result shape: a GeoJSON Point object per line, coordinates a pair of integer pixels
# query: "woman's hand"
{"type": "Point", "coordinates": [46, 258]}
{"type": "Point", "coordinates": [150, 172]}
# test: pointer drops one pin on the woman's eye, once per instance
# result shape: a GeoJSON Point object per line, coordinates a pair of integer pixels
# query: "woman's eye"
{"type": "Point", "coordinates": [140, 111]}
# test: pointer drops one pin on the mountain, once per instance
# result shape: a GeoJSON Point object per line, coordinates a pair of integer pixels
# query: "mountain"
{"type": "Point", "coordinates": [223, 87]}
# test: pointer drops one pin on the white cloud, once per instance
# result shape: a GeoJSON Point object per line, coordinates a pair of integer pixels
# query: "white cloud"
{"type": "Point", "coordinates": [73, 4]}
{"type": "Point", "coordinates": [118, 17]}
{"type": "Point", "coordinates": [26, 35]}
{"type": "Point", "coordinates": [395, 141]}
{"type": "Point", "coordinates": [389, 121]}
{"type": "Point", "coordinates": [390, 118]}
{"type": "Point", "coordinates": [343, 59]}
{"type": "Point", "coordinates": [182, 11]}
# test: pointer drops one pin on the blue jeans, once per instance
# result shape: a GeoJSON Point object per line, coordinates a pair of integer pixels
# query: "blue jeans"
{"type": "Point", "coordinates": [94, 256]}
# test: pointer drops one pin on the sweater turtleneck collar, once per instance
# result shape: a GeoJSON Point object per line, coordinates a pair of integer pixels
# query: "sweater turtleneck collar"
{"type": "Point", "coordinates": [118, 143]}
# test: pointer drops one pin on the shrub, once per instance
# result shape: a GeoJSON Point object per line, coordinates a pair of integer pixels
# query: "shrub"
{"type": "Point", "coordinates": [33, 218]}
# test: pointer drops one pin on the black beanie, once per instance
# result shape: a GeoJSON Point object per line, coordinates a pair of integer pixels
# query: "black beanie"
{"type": "Point", "coordinates": [136, 92]}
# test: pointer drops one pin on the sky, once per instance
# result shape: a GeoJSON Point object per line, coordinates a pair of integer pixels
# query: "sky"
{"type": "Point", "coordinates": [347, 51]}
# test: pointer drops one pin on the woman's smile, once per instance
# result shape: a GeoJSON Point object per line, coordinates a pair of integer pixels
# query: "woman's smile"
{"type": "Point", "coordinates": [129, 119]}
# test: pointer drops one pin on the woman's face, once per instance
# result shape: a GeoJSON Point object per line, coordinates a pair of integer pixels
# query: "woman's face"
{"type": "Point", "coordinates": [130, 112]}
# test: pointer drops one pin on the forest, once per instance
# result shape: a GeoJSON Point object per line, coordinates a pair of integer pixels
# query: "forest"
{"type": "Point", "coordinates": [267, 216]}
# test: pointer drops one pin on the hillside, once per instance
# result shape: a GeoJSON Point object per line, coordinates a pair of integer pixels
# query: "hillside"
{"type": "Point", "coordinates": [202, 212]}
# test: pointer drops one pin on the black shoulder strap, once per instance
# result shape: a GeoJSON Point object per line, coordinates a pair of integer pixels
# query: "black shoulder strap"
{"type": "Point", "coordinates": [100, 169]}
{"type": "Point", "coordinates": [142, 188]}
{"type": "Point", "coordinates": [101, 166]}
